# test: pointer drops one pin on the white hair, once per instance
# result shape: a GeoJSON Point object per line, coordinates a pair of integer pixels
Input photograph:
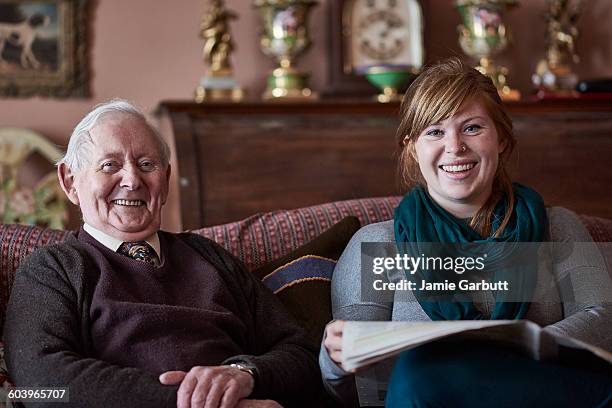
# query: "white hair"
{"type": "Point", "coordinates": [80, 143]}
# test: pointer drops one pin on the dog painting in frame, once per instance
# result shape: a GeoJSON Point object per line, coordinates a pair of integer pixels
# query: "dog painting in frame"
{"type": "Point", "coordinates": [23, 35]}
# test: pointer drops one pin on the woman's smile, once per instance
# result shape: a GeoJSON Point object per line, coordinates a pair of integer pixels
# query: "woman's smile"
{"type": "Point", "coordinates": [459, 170]}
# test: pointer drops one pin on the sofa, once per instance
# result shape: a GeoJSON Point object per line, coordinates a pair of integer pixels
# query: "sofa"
{"type": "Point", "coordinates": [292, 251]}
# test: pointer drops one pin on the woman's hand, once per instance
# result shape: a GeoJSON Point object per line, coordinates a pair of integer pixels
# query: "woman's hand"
{"type": "Point", "coordinates": [333, 340]}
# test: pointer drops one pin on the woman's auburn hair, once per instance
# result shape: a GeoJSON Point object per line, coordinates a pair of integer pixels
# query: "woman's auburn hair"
{"type": "Point", "coordinates": [437, 94]}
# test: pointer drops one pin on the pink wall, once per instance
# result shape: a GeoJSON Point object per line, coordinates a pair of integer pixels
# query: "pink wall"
{"type": "Point", "coordinates": [149, 50]}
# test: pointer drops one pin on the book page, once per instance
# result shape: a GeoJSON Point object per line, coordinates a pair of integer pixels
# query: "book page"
{"type": "Point", "coordinates": [364, 343]}
{"type": "Point", "coordinates": [578, 344]}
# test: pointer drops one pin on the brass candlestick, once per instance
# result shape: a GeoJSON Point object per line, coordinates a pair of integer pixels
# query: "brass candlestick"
{"type": "Point", "coordinates": [219, 82]}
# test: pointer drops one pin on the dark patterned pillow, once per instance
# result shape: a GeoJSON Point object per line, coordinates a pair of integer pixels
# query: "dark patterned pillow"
{"type": "Point", "coordinates": [303, 285]}
{"type": "Point", "coordinates": [302, 279]}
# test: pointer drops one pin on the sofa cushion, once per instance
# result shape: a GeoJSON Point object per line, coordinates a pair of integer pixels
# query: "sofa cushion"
{"type": "Point", "coordinates": [303, 286]}
{"type": "Point", "coordinates": [302, 278]}
{"type": "Point", "coordinates": [330, 244]}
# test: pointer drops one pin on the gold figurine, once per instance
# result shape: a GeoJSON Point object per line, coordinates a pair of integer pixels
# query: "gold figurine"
{"type": "Point", "coordinates": [555, 73]}
{"type": "Point", "coordinates": [217, 38]}
{"type": "Point", "coordinates": [219, 83]}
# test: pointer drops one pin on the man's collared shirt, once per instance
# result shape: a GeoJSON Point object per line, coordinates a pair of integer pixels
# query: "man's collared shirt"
{"type": "Point", "coordinates": [113, 243]}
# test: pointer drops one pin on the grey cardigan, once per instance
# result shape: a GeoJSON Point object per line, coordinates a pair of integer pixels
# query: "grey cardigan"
{"type": "Point", "coordinates": [587, 316]}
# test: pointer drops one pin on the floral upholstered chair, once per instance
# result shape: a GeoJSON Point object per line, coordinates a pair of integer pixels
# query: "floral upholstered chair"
{"type": "Point", "coordinates": [42, 203]}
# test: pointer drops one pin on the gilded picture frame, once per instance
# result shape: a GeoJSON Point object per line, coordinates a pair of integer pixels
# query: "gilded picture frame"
{"type": "Point", "coordinates": [43, 48]}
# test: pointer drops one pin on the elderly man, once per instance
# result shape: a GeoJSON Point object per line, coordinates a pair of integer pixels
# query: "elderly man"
{"type": "Point", "coordinates": [126, 315]}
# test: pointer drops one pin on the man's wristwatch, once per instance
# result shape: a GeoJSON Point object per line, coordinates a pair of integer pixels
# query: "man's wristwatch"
{"type": "Point", "coordinates": [244, 368]}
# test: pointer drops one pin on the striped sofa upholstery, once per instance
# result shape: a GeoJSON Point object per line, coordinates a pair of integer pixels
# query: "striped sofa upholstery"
{"type": "Point", "coordinates": [255, 240]}
{"type": "Point", "coordinates": [265, 237]}
{"type": "Point", "coordinates": [599, 228]}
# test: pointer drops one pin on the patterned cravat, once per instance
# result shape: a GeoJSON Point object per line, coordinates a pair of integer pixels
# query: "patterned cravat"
{"type": "Point", "coordinates": [141, 251]}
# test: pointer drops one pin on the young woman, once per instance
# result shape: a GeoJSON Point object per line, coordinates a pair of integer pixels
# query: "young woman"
{"type": "Point", "coordinates": [455, 140]}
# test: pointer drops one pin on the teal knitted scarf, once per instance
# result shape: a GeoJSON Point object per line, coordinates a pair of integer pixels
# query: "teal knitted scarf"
{"type": "Point", "coordinates": [419, 219]}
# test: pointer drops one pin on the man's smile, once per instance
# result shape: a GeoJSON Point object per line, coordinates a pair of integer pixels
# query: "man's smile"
{"type": "Point", "coordinates": [128, 203]}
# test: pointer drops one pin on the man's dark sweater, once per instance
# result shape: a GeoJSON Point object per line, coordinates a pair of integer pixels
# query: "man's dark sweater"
{"type": "Point", "coordinates": [106, 325]}
{"type": "Point", "coordinates": [166, 318]}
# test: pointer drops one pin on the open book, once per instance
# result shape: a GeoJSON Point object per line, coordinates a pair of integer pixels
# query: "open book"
{"type": "Point", "coordinates": [364, 343]}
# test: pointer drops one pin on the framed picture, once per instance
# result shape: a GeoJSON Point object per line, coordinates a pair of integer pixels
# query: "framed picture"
{"type": "Point", "coordinates": [43, 48]}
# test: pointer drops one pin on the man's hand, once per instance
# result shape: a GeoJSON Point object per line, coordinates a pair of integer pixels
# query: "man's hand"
{"type": "Point", "coordinates": [209, 387]}
{"type": "Point", "coordinates": [248, 403]}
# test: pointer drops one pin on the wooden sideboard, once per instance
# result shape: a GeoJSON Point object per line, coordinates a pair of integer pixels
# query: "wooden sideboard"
{"type": "Point", "coordinates": [237, 159]}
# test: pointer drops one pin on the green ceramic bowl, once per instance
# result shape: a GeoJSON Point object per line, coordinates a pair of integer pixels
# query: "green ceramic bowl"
{"type": "Point", "coordinates": [389, 79]}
